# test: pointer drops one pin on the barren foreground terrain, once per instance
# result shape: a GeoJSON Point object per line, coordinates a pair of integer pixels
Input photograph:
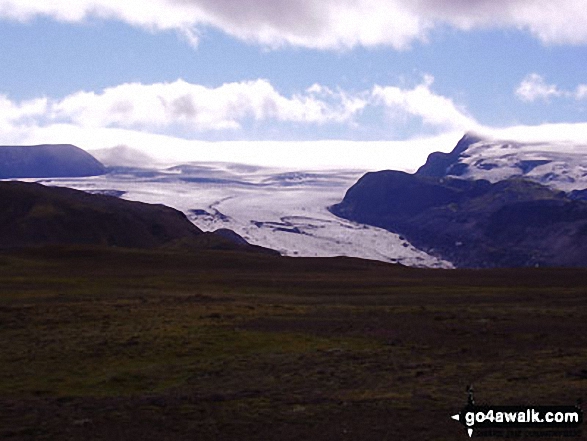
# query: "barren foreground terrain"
{"type": "Point", "coordinates": [107, 344]}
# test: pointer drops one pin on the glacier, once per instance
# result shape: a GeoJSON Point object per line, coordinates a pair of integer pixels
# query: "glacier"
{"type": "Point", "coordinates": [278, 208]}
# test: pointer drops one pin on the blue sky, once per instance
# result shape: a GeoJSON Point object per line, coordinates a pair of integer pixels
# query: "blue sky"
{"type": "Point", "coordinates": [406, 76]}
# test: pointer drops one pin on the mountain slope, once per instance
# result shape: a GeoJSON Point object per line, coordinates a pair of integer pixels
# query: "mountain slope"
{"type": "Point", "coordinates": [33, 215]}
{"type": "Point", "coordinates": [50, 160]}
{"type": "Point", "coordinates": [473, 223]}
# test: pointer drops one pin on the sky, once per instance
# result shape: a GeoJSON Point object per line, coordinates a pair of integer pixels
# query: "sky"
{"type": "Point", "coordinates": [299, 83]}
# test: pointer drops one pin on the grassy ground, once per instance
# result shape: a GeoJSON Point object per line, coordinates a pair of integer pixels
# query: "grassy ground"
{"type": "Point", "coordinates": [100, 344]}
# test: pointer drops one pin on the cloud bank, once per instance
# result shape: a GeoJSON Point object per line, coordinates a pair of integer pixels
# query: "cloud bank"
{"type": "Point", "coordinates": [147, 117]}
{"type": "Point", "coordinates": [196, 109]}
{"type": "Point", "coordinates": [169, 121]}
{"type": "Point", "coordinates": [324, 24]}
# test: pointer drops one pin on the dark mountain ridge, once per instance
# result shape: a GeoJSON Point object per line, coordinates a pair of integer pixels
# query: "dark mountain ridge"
{"type": "Point", "coordinates": [47, 161]}
{"type": "Point", "coordinates": [34, 215]}
{"type": "Point", "coordinates": [473, 223]}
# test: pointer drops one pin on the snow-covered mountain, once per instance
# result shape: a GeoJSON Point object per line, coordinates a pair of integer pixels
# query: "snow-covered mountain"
{"type": "Point", "coordinates": [487, 203]}
{"type": "Point", "coordinates": [560, 165]}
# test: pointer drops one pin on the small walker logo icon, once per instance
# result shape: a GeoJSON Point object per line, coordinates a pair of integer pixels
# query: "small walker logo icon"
{"type": "Point", "coordinates": [457, 417]}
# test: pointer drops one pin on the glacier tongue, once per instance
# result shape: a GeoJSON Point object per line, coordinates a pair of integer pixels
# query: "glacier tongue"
{"type": "Point", "coordinates": [280, 209]}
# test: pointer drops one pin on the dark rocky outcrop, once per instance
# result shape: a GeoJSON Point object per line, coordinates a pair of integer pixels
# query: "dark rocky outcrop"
{"type": "Point", "coordinates": [473, 223]}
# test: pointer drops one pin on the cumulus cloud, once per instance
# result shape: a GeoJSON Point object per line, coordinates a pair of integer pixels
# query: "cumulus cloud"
{"type": "Point", "coordinates": [324, 24]}
{"type": "Point", "coordinates": [534, 87]}
{"type": "Point", "coordinates": [14, 112]}
{"type": "Point", "coordinates": [16, 115]}
{"type": "Point", "coordinates": [434, 110]}
{"type": "Point", "coordinates": [200, 108]}
{"type": "Point", "coordinates": [552, 22]}
{"type": "Point", "coordinates": [316, 24]}
{"type": "Point", "coordinates": [232, 106]}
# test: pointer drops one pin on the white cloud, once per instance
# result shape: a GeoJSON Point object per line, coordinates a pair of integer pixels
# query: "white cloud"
{"type": "Point", "coordinates": [581, 92]}
{"type": "Point", "coordinates": [137, 114]}
{"type": "Point", "coordinates": [405, 155]}
{"type": "Point", "coordinates": [71, 120]}
{"type": "Point", "coordinates": [552, 22]}
{"type": "Point", "coordinates": [14, 115]}
{"type": "Point", "coordinates": [534, 87]}
{"type": "Point", "coordinates": [324, 24]}
{"type": "Point", "coordinates": [195, 108]}
{"type": "Point", "coordinates": [133, 114]}
{"type": "Point", "coordinates": [435, 110]}
{"type": "Point", "coordinates": [199, 108]}
{"type": "Point", "coordinates": [14, 112]}
{"type": "Point", "coordinates": [575, 133]}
